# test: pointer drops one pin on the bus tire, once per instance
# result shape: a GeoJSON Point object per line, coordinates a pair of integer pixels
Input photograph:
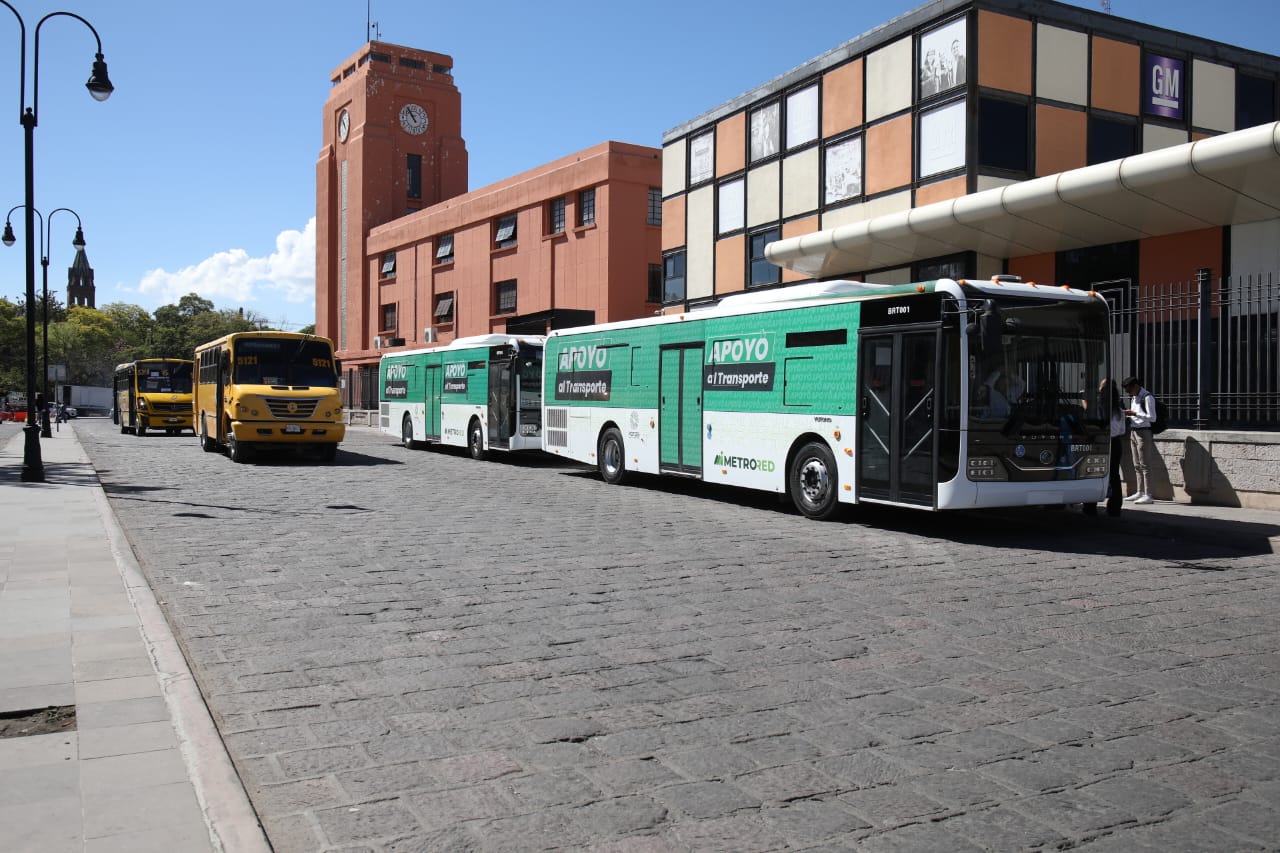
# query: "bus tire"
{"type": "Point", "coordinates": [406, 432]}
{"type": "Point", "coordinates": [611, 456]}
{"type": "Point", "coordinates": [328, 452]}
{"type": "Point", "coordinates": [812, 481]}
{"type": "Point", "coordinates": [475, 441]}
{"type": "Point", "coordinates": [140, 428]}
{"type": "Point", "coordinates": [208, 445]}
{"type": "Point", "coordinates": [237, 451]}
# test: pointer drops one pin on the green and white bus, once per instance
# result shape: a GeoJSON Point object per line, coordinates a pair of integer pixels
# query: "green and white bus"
{"type": "Point", "coordinates": [843, 392]}
{"type": "Point", "coordinates": [482, 392]}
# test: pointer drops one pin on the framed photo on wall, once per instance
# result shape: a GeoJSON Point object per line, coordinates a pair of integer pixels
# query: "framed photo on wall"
{"type": "Point", "coordinates": [942, 64]}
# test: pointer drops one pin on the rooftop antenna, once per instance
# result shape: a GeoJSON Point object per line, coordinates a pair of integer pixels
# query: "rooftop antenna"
{"type": "Point", "coordinates": [1106, 7]}
{"type": "Point", "coordinates": [371, 30]}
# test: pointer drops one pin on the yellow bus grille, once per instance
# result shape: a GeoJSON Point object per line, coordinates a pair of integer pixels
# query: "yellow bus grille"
{"type": "Point", "coordinates": [171, 407]}
{"type": "Point", "coordinates": [291, 408]}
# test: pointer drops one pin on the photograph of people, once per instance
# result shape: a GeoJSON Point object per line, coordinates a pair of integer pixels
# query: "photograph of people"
{"type": "Point", "coordinates": [942, 60]}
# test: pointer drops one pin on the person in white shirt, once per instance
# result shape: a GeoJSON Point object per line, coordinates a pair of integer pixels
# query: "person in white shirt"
{"type": "Point", "coordinates": [1141, 414]}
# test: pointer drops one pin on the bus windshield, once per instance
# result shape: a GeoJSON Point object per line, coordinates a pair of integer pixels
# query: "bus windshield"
{"type": "Point", "coordinates": [165, 377]}
{"type": "Point", "coordinates": [284, 361]}
{"type": "Point", "coordinates": [1035, 368]}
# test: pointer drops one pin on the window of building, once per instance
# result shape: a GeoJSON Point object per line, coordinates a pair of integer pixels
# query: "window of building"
{"type": "Point", "coordinates": [1255, 101]}
{"type": "Point", "coordinates": [389, 265]}
{"type": "Point", "coordinates": [763, 272]}
{"type": "Point", "coordinates": [655, 207]}
{"type": "Point", "coordinates": [1003, 137]}
{"type": "Point", "coordinates": [802, 116]}
{"type": "Point", "coordinates": [673, 278]}
{"type": "Point", "coordinates": [843, 170]}
{"type": "Point", "coordinates": [732, 206]}
{"type": "Point", "coordinates": [444, 249]}
{"type": "Point", "coordinates": [555, 216]}
{"type": "Point", "coordinates": [765, 125]}
{"type": "Point", "coordinates": [951, 266]}
{"type": "Point", "coordinates": [408, 62]}
{"type": "Point", "coordinates": [388, 318]}
{"type": "Point", "coordinates": [443, 312]}
{"type": "Point", "coordinates": [413, 176]}
{"type": "Point", "coordinates": [587, 207]}
{"type": "Point", "coordinates": [702, 157]}
{"type": "Point", "coordinates": [1110, 139]}
{"type": "Point", "coordinates": [504, 234]}
{"type": "Point", "coordinates": [942, 139]}
{"type": "Point", "coordinates": [655, 283]}
{"type": "Point", "coordinates": [504, 297]}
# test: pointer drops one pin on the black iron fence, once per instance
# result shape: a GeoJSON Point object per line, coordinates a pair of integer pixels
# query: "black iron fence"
{"type": "Point", "coordinates": [1209, 348]}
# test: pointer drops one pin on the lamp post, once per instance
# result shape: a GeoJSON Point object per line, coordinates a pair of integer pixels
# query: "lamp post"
{"type": "Point", "coordinates": [46, 239]}
{"type": "Point", "coordinates": [99, 86]}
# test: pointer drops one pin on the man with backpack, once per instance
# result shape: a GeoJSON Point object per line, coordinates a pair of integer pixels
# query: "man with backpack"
{"type": "Point", "coordinates": [1142, 415]}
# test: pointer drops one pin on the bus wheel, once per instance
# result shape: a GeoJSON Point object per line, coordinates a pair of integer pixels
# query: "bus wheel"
{"type": "Point", "coordinates": [328, 452]}
{"type": "Point", "coordinates": [406, 431]}
{"type": "Point", "coordinates": [475, 442]}
{"type": "Point", "coordinates": [812, 481]}
{"type": "Point", "coordinates": [140, 428]}
{"type": "Point", "coordinates": [237, 451]}
{"type": "Point", "coordinates": [612, 457]}
{"type": "Point", "coordinates": [208, 445]}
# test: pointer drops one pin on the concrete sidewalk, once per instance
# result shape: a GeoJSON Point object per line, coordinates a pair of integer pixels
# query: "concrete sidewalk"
{"type": "Point", "coordinates": [139, 766]}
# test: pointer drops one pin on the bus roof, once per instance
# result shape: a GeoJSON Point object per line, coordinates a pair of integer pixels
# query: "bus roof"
{"type": "Point", "coordinates": [839, 291]}
{"type": "Point", "coordinates": [159, 358]}
{"type": "Point", "coordinates": [265, 333]}
{"type": "Point", "coordinates": [496, 339]}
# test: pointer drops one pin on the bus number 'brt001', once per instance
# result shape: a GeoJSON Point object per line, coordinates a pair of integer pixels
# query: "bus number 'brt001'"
{"type": "Point", "coordinates": [940, 395]}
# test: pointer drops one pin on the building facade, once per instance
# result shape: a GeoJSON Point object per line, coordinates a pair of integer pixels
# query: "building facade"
{"type": "Point", "coordinates": [406, 256]}
{"type": "Point", "coordinates": [953, 98]}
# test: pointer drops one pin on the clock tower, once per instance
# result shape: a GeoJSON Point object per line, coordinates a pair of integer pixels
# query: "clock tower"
{"type": "Point", "coordinates": [391, 144]}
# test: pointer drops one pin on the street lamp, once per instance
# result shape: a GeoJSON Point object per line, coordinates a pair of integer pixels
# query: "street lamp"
{"type": "Point", "coordinates": [46, 239]}
{"type": "Point", "coordinates": [99, 86]}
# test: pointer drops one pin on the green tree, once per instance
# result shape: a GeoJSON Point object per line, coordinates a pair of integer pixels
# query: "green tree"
{"type": "Point", "coordinates": [86, 344]}
{"type": "Point", "coordinates": [13, 347]}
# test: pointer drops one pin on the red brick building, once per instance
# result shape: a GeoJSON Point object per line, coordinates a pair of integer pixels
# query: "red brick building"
{"type": "Point", "coordinates": [406, 256]}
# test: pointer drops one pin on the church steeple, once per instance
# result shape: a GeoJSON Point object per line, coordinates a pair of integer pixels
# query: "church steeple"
{"type": "Point", "coordinates": [80, 289]}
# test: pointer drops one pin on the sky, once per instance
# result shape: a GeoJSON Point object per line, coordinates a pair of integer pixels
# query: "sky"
{"type": "Point", "coordinates": [198, 174]}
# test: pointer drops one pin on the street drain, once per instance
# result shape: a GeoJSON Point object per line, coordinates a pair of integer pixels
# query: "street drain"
{"type": "Point", "coordinates": [38, 721]}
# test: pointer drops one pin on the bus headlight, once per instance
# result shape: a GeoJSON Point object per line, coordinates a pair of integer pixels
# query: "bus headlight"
{"type": "Point", "coordinates": [142, 402]}
{"type": "Point", "coordinates": [987, 469]}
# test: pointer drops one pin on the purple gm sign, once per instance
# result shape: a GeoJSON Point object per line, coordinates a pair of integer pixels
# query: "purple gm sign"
{"type": "Point", "coordinates": [1165, 86]}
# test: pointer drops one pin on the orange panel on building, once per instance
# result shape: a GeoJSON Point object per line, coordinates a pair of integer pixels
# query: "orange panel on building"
{"type": "Point", "coordinates": [1117, 78]}
{"type": "Point", "coordinates": [942, 190]}
{"type": "Point", "coordinates": [888, 155]}
{"type": "Point", "coordinates": [731, 264]}
{"type": "Point", "coordinates": [1178, 257]}
{"type": "Point", "coordinates": [1062, 139]}
{"type": "Point", "coordinates": [1004, 52]}
{"type": "Point", "coordinates": [842, 98]}
{"type": "Point", "coordinates": [1037, 268]}
{"type": "Point", "coordinates": [731, 145]}
{"type": "Point", "coordinates": [673, 222]}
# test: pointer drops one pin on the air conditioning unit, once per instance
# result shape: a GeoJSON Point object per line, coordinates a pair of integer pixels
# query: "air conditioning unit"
{"type": "Point", "coordinates": [429, 335]}
{"type": "Point", "coordinates": [377, 342]}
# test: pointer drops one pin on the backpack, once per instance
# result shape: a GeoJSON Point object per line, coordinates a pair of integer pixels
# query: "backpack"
{"type": "Point", "coordinates": [1161, 423]}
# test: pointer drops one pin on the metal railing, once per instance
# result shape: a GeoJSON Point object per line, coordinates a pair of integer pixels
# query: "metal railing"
{"type": "Point", "coordinates": [1209, 349]}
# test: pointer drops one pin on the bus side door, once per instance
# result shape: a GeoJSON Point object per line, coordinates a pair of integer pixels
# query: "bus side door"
{"type": "Point", "coordinates": [432, 383]}
{"type": "Point", "coordinates": [502, 393]}
{"type": "Point", "coordinates": [897, 434]}
{"type": "Point", "coordinates": [680, 409]}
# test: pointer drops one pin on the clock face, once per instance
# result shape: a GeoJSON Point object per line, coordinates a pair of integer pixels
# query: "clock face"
{"type": "Point", "coordinates": [413, 119]}
{"type": "Point", "coordinates": [344, 125]}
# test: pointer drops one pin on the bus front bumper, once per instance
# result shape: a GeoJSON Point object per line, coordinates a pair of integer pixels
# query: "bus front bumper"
{"type": "Point", "coordinates": [265, 432]}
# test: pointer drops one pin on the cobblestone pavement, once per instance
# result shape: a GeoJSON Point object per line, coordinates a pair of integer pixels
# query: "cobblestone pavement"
{"type": "Point", "coordinates": [410, 650]}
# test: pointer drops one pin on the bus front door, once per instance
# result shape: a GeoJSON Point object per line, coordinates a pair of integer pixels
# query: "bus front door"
{"type": "Point", "coordinates": [502, 412]}
{"type": "Point", "coordinates": [432, 384]}
{"type": "Point", "coordinates": [680, 410]}
{"type": "Point", "coordinates": [897, 434]}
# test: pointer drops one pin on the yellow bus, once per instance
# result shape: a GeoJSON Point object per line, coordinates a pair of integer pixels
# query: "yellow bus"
{"type": "Point", "coordinates": [153, 393]}
{"type": "Point", "coordinates": [267, 390]}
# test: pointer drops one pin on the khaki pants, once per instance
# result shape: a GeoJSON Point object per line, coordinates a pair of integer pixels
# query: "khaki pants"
{"type": "Point", "coordinates": [1144, 458]}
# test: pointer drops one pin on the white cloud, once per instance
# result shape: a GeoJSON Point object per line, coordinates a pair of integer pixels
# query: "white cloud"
{"type": "Point", "coordinates": [232, 277]}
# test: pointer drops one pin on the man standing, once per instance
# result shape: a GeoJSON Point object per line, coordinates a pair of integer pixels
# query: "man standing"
{"type": "Point", "coordinates": [1141, 414]}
